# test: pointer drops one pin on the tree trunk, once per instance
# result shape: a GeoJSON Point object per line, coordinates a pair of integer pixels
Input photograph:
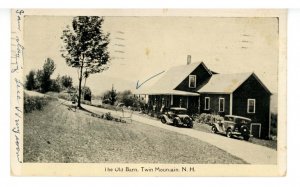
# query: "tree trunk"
{"type": "Point", "coordinates": [79, 92]}
{"type": "Point", "coordinates": [79, 87]}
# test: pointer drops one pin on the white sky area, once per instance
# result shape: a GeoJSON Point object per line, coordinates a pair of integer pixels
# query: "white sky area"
{"type": "Point", "coordinates": [150, 45]}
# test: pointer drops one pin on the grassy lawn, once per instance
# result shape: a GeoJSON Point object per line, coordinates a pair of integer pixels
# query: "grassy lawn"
{"type": "Point", "coordinates": [59, 135]}
{"type": "Point", "coordinates": [267, 143]}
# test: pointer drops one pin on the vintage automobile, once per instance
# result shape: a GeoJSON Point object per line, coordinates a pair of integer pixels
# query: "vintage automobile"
{"type": "Point", "coordinates": [233, 126]}
{"type": "Point", "coordinates": [177, 117]}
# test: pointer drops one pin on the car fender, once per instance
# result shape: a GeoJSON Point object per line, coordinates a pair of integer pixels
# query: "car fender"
{"type": "Point", "coordinates": [179, 120]}
{"type": "Point", "coordinates": [217, 125]}
{"type": "Point", "coordinates": [168, 120]}
{"type": "Point", "coordinates": [230, 125]}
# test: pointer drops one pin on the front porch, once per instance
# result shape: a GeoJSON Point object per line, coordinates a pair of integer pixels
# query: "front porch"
{"type": "Point", "coordinates": [161, 103]}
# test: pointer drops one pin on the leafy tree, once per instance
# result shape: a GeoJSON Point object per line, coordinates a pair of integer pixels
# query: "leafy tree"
{"type": "Point", "coordinates": [30, 80]}
{"type": "Point", "coordinates": [86, 93]}
{"type": "Point", "coordinates": [55, 84]}
{"type": "Point", "coordinates": [45, 74]}
{"type": "Point", "coordinates": [112, 96]}
{"type": "Point", "coordinates": [85, 47]}
{"type": "Point", "coordinates": [39, 79]}
{"type": "Point", "coordinates": [66, 81]}
{"type": "Point", "coordinates": [129, 99]}
{"type": "Point", "coordinates": [105, 95]}
{"type": "Point", "coordinates": [126, 97]}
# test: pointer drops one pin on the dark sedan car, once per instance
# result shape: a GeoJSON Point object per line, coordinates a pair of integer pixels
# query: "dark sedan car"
{"type": "Point", "coordinates": [178, 117]}
{"type": "Point", "coordinates": [233, 126]}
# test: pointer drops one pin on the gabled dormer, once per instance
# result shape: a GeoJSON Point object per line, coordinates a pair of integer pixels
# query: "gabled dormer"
{"type": "Point", "coordinates": [196, 78]}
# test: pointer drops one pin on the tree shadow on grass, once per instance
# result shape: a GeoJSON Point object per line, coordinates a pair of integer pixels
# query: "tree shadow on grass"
{"type": "Point", "coordinates": [90, 112]}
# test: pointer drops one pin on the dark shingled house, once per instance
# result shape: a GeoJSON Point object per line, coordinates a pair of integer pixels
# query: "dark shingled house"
{"type": "Point", "coordinates": [200, 90]}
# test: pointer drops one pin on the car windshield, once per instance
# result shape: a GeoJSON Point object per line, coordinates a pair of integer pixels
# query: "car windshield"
{"type": "Point", "coordinates": [179, 111]}
{"type": "Point", "coordinates": [242, 121]}
{"type": "Point", "coordinates": [228, 118]}
{"type": "Point", "coordinates": [237, 120]}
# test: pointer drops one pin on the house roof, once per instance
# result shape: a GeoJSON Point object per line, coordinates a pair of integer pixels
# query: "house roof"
{"type": "Point", "coordinates": [227, 83]}
{"type": "Point", "coordinates": [174, 76]}
{"type": "Point", "coordinates": [165, 92]}
{"type": "Point", "coordinates": [171, 79]}
{"type": "Point", "coordinates": [218, 83]}
{"type": "Point", "coordinates": [224, 83]}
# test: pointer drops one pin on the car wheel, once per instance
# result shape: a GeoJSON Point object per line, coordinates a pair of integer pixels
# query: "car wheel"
{"type": "Point", "coordinates": [176, 124]}
{"type": "Point", "coordinates": [214, 129]}
{"type": "Point", "coordinates": [246, 137]}
{"type": "Point", "coordinates": [229, 133]}
{"type": "Point", "coordinates": [163, 120]}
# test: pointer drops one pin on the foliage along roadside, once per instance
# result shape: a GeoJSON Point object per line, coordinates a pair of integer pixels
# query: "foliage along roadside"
{"type": "Point", "coordinates": [32, 103]}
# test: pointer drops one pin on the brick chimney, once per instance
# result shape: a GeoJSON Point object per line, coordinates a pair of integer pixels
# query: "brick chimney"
{"type": "Point", "coordinates": [189, 59]}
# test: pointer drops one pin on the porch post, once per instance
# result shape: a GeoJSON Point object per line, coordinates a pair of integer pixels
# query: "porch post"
{"type": "Point", "coordinates": [230, 105]}
{"type": "Point", "coordinates": [187, 102]}
{"type": "Point", "coordinates": [171, 100]}
{"type": "Point", "coordinates": [180, 102]}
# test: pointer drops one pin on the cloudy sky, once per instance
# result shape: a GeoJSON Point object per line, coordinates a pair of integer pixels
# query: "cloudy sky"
{"type": "Point", "coordinates": [143, 46]}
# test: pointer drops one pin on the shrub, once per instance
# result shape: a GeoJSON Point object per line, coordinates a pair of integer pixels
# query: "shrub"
{"type": "Point", "coordinates": [108, 116]}
{"type": "Point", "coordinates": [32, 103]}
{"type": "Point", "coordinates": [66, 81]}
{"type": "Point", "coordinates": [86, 94]}
{"type": "Point", "coordinates": [208, 118]}
{"type": "Point", "coordinates": [55, 86]}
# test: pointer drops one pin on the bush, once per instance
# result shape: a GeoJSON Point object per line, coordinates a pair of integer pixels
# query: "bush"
{"type": "Point", "coordinates": [86, 94]}
{"type": "Point", "coordinates": [208, 118]}
{"type": "Point", "coordinates": [108, 116]}
{"type": "Point", "coordinates": [55, 86]}
{"type": "Point", "coordinates": [32, 103]}
{"type": "Point", "coordinates": [66, 81]}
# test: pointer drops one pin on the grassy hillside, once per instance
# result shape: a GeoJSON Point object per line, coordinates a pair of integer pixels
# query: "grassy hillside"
{"type": "Point", "coordinates": [56, 134]}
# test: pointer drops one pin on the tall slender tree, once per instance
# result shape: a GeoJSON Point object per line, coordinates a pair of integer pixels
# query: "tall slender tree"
{"type": "Point", "coordinates": [86, 47]}
{"type": "Point", "coordinates": [30, 80]}
{"type": "Point", "coordinates": [45, 75]}
{"type": "Point", "coordinates": [112, 95]}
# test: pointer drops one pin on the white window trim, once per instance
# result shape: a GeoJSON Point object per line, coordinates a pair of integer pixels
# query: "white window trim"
{"type": "Point", "coordinates": [190, 81]}
{"type": "Point", "coordinates": [249, 105]}
{"type": "Point", "coordinates": [223, 109]}
{"type": "Point", "coordinates": [258, 124]}
{"type": "Point", "coordinates": [208, 103]}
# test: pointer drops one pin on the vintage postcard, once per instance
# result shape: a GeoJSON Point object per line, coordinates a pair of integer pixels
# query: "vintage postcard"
{"type": "Point", "coordinates": [158, 92]}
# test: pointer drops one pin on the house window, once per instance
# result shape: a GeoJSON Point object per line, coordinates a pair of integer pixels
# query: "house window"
{"type": "Point", "coordinates": [221, 104]}
{"type": "Point", "coordinates": [206, 103]}
{"type": "Point", "coordinates": [251, 106]}
{"type": "Point", "coordinates": [192, 81]}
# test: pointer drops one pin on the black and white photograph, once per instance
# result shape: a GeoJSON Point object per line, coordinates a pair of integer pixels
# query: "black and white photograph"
{"type": "Point", "coordinates": [149, 93]}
